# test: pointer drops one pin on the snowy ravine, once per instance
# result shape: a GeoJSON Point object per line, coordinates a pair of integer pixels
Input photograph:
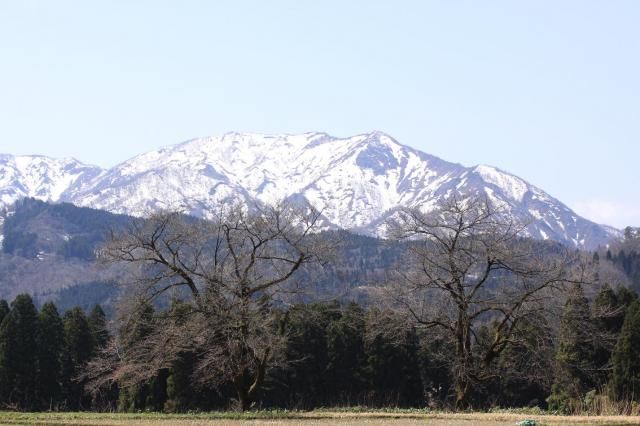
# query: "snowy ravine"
{"type": "Point", "coordinates": [357, 182]}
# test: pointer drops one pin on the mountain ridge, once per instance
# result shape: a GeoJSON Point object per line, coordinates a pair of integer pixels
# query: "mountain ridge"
{"type": "Point", "coordinates": [356, 181]}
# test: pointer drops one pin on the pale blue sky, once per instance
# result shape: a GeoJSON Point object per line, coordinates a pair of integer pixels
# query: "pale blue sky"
{"type": "Point", "coordinates": [548, 90]}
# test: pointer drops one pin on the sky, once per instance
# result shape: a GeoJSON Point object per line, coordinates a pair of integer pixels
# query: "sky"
{"type": "Point", "coordinates": [547, 90]}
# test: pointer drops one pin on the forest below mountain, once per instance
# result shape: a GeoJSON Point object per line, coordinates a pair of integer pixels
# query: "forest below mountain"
{"type": "Point", "coordinates": [334, 355]}
{"type": "Point", "coordinates": [335, 342]}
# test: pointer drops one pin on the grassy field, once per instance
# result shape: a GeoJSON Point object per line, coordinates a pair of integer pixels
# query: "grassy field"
{"type": "Point", "coordinates": [321, 417]}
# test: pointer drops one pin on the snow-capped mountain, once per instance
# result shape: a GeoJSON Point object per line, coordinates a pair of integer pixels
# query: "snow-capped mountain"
{"type": "Point", "coordinates": [357, 182]}
{"type": "Point", "coordinates": [41, 177]}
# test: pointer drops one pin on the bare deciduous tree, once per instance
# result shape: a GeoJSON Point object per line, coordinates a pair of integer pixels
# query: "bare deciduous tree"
{"type": "Point", "coordinates": [226, 272]}
{"type": "Point", "coordinates": [468, 265]}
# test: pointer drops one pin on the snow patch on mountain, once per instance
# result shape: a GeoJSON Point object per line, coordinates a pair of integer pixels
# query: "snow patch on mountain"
{"type": "Point", "coordinates": [511, 185]}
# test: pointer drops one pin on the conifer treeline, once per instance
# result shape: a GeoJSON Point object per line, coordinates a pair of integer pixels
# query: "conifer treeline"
{"type": "Point", "coordinates": [42, 353]}
{"type": "Point", "coordinates": [334, 356]}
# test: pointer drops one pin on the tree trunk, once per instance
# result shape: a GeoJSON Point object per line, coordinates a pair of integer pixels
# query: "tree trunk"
{"type": "Point", "coordinates": [242, 390]}
{"type": "Point", "coordinates": [247, 392]}
{"type": "Point", "coordinates": [465, 363]}
{"type": "Point", "coordinates": [245, 402]}
{"type": "Point", "coordinates": [462, 395]}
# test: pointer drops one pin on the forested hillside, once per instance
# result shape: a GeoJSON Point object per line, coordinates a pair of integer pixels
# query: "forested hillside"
{"type": "Point", "coordinates": [624, 256]}
{"type": "Point", "coordinates": [51, 247]}
{"type": "Point", "coordinates": [49, 250]}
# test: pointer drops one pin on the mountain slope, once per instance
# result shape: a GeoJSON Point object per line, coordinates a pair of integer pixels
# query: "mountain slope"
{"type": "Point", "coordinates": [357, 182]}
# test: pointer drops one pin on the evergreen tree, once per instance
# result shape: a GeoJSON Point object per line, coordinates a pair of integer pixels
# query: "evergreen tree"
{"type": "Point", "coordinates": [98, 326]}
{"type": "Point", "coordinates": [140, 396]}
{"type": "Point", "coordinates": [50, 344]}
{"type": "Point", "coordinates": [305, 376]}
{"type": "Point", "coordinates": [525, 369]}
{"type": "Point", "coordinates": [346, 358]}
{"type": "Point", "coordinates": [4, 309]}
{"type": "Point", "coordinates": [18, 353]}
{"type": "Point", "coordinates": [625, 297]}
{"type": "Point", "coordinates": [100, 336]}
{"type": "Point", "coordinates": [606, 310]}
{"type": "Point", "coordinates": [575, 355]}
{"type": "Point", "coordinates": [392, 363]}
{"type": "Point", "coordinates": [625, 377]}
{"type": "Point", "coordinates": [608, 316]}
{"type": "Point", "coordinates": [435, 366]}
{"type": "Point", "coordinates": [609, 309]}
{"type": "Point", "coordinates": [179, 389]}
{"type": "Point", "coordinates": [77, 350]}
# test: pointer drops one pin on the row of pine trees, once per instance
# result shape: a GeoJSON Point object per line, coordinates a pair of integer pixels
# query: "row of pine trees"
{"type": "Point", "coordinates": [598, 350]}
{"type": "Point", "coordinates": [42, 354]}
{"type": "Point", "coordinates": [335, 355]}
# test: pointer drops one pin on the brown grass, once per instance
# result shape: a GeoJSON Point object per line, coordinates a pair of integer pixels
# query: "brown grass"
{"type": "Point", "coordinates": [315, 418]}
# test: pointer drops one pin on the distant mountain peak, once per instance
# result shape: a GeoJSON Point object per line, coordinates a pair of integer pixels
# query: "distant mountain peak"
{"type": "Point", "coordinates": [356, 181]}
